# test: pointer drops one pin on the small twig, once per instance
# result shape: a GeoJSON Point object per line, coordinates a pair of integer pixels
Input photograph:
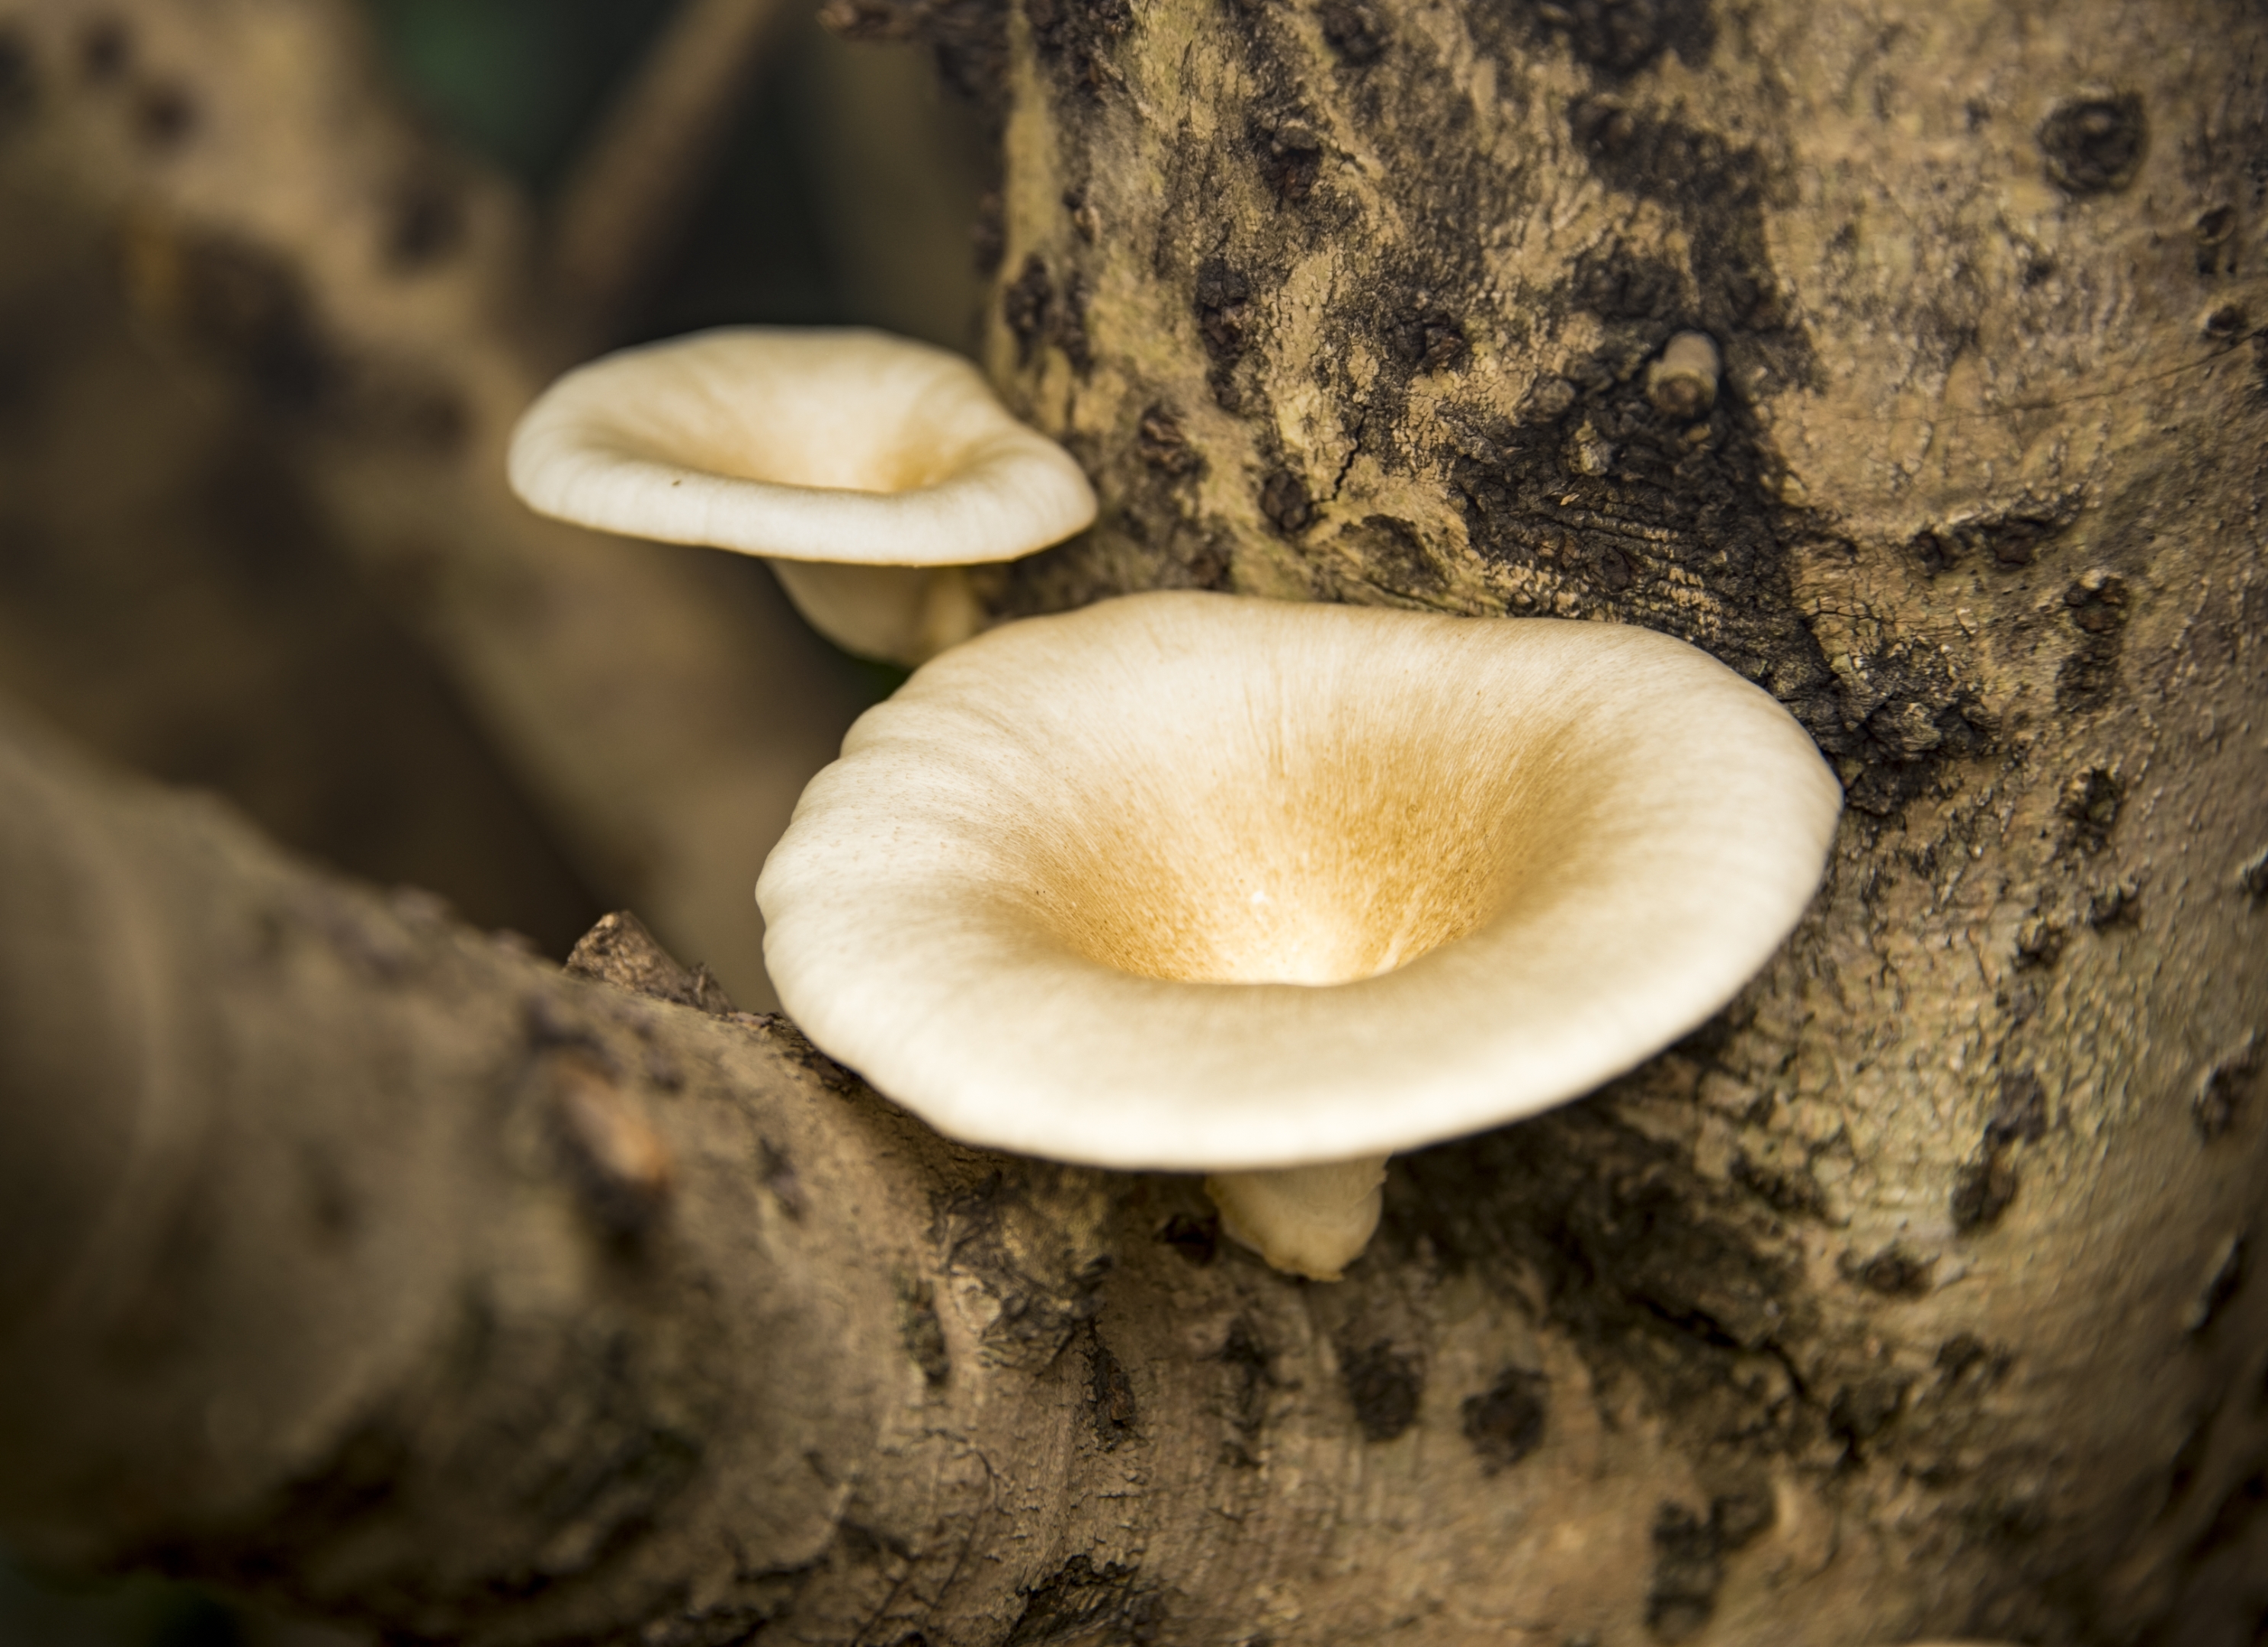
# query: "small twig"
{"type": "Point", "coordinates": [628, 199]}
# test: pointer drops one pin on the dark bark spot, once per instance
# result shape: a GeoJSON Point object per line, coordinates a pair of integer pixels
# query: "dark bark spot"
{"type": "Point", "coordinates": [1506, 1423]}
{"type": "Point", "coordinates": [1613, 568]}
{"type": "Point", "coordinates": [2088, 677]}
{"type": "Point", "coordinates": [1291, 157]}
{"type": "Point", "coordinates": [2116, 903]}
{"type": "Point", "coordinates": [1084, 218]}
{"type": "Point", "coordinates": [1027, 1236]}
{"type": "Point", "coordinates": [1622, 36]}
{"type": "Point", "coordinates": [1355, 31]}
{"type": "Point", "coordinates": [1430, 339]}
{"type": "Point", "coordinates": [1985, 1186]}
{"type": "Point", "coordinates": [1893, 1271]}
{"type": "Point", "coordinates": [1161, 446]}
{"type": "Point", "coordinates": [2012, 539]}
{"type": "Point", "coordinates": [775, 1172]}
{"type": "Point", "coordinates": [1394, 556]}
{"type": "Point", "coordinates": [164, 116]}
{"type": "Point", "coordinates": [426, 223]}
{"type": "Point", "coordinates": [19, 89]}
{"type": "Point", "coordinates": [1687, 1571]}
{"type": "Point", "coordinates": [244, 304]}
{"type": "Point", "coordinates": [1906, 730]}
{"type": "Point", "coordinates": [1067, 327]}
{"type": "Point", "coordinates": [1796, 1193]}
{"type": "Point", "coordinates": [1109, 1394]}
{"type": "Point", "coordinates": [2089, 802]}
{"type": "Point", "coordinates": [1662, 159]}
{"type": "Point", "coordinates": [2252, 875]}
{"type": "Point", "coordinates": [1981, 1192]}
{"type": "Point", "coordinates": [1384, 1388]}
{"type": "Point", "coordinates": [2019, 1113]}
{"type": "Point", "coordinates": [1075, 37]}
{"type": "Point", "coordinates": [1248, 1359]}
{"type": "Point", "coordinates": [106, 50]}
{"type": "Point", "coordinates": [1657, 1271]}
{"type": "Point", "coordinates": [1862, 1411]}
{"type": "Point", "coordinates": [2094, 144]}
{"type": "Point", "coordinates": [1617, 285]}
{"type": "Point", "coordinates": [922, 1332]}
{"type": "Point", "coordinates": [2221, 1092]}
{"type": "Point", "coordinates": [1966, 1359]}
{"type": "Point", "coordinates": [1026, 304]}
{"type": "Point", "coordinates": [2039, 941]}
{"type": "Point", "coordinates": [1284, 500]}
{"type": "Point", "coordinates": [1196, 1239]}
{"type": "Point", "coordinates": [2097, 603]}
{"type": "Point", "coordinates": [1221, 296]}
{"type": "Point", "coordinates": [2215, 233]}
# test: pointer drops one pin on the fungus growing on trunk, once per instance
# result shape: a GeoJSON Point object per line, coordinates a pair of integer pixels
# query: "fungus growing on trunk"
{"type": "Point", "coordinates": [1271, 892]}
{"type": "Point", "coordinates": [868, 469]}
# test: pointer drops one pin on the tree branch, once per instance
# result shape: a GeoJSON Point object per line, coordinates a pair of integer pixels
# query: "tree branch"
{"type": "Point", "coordinates": [356, 1261]}
{"type": "Point", "coordinates": [353, 1256]}
{"type": "Point", "coordinates": [625, 204]}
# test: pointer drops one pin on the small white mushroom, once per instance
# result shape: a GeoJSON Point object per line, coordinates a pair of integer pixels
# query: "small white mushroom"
{"type": "Point", "coordinates": [1270, 891]}
{"type": "Point", "coordinates": [868, 469]}
{"type": "Point", "coordinates": [1682, 381]}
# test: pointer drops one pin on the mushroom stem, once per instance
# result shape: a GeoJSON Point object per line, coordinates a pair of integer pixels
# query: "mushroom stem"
{"type": "Point", "coordinates": [1682, 383]}
{"type": "Point", "coordinates": [1313, 1220]}
{"type": "Point", "coordinates": [902, 614]}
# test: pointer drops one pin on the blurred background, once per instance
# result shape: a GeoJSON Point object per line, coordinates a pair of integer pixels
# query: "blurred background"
{"type": "Point", "coordinates": [184, 609]}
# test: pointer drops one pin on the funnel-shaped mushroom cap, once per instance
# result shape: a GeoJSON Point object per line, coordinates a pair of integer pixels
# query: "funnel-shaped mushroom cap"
{"type": "Point", "coordinates": [1200, 881]}
{"type": "Point", "coordinates": [804, 445]}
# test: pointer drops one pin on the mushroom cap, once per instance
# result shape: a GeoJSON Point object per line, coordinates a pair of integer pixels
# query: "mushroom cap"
{"type": "Point", "coordinates": [1203, 881]}
{"type": "Point", "coordinates": [825, 445]}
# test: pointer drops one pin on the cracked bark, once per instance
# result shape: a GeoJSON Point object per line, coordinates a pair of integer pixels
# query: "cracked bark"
{"type": "Point", "coordinates": [1915, 1294]}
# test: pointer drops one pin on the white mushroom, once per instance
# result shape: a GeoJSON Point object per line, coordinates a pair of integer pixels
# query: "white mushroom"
{"type": "Point", "coordinates": [1271, 892]}
{"type": "Point", "coordinates": [1682, 381]}
{"type": "Point", "coordinates": [868, 469]}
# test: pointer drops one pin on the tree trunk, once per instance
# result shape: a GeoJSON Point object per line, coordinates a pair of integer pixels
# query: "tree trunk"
{"type": "Point", "coordinates": [1926, 1258]}
{"type": "Point", "coordinates": [1913, 1296]}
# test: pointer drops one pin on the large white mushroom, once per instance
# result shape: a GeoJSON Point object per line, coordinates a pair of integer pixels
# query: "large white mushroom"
{"type": "Point", "coordinates": [868, 469]}
{"type": "Point", "coordinates": [1271, 892]}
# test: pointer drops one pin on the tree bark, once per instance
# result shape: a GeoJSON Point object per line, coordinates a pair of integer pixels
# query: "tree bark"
{"type": "Point", "coordinates": [1915, 1294]}
{"type": "Point", "coordinates": [1360, 302]}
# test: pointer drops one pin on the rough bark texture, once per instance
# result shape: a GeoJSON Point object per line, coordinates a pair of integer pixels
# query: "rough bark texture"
{"type": "Point", "coordinates": [1933, 1248]}
{"type": "Point", "coordinates": [1915, 1295]}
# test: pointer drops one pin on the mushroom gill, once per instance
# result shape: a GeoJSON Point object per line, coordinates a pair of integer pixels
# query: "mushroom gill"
{"type": "Point", "coordinates": [1205, 882]}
